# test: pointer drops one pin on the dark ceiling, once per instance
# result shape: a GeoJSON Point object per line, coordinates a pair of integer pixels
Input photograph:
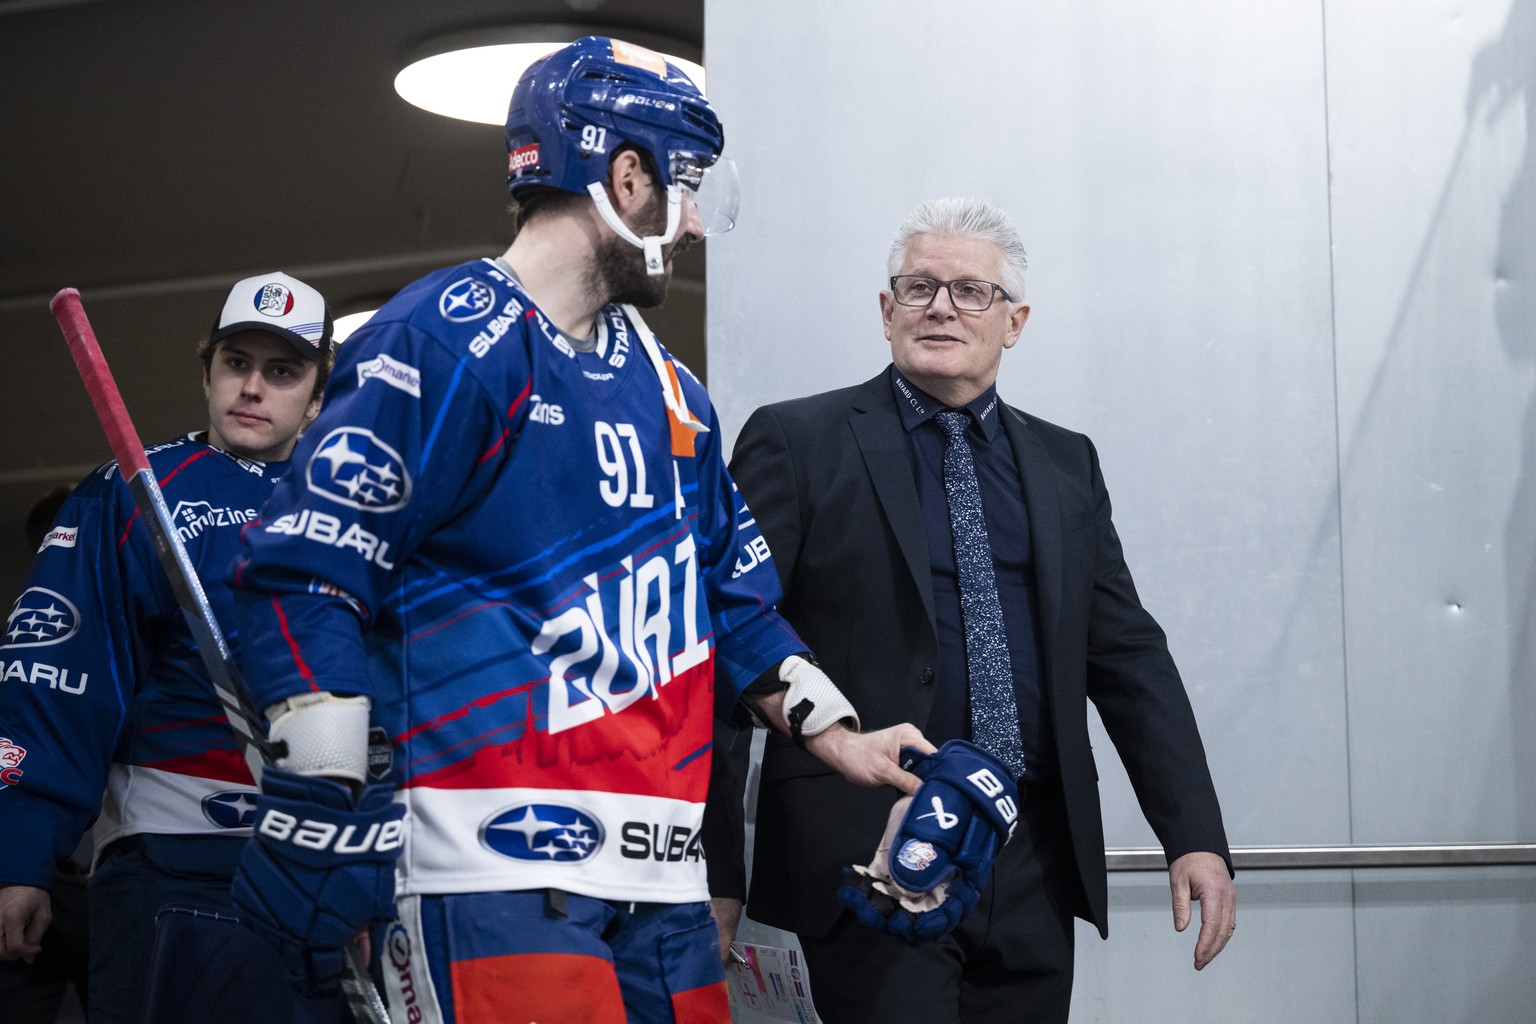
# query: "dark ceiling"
{"type": "Point", "coordinates": [153, 152]}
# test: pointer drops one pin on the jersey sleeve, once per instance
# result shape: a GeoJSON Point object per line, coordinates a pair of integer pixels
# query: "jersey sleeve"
{"type": "Point", "coordinates": [76, 640]}
{"type": "Point", "coordinates": [750, 635]}
{"type": "Point", "coordinates": [406, 440]}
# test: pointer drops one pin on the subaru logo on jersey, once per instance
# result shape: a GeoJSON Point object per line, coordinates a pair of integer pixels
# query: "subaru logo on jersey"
{"type": "Point", "coordinates": [234, 809]}
{"type": "Point", "coordinates": [465, 300]}
{"type": "Point", "coordinates": [41, 617]}
{"type": "Point", "coordinates": [354, 468]}
{"type": "Point", "coordinates": [274, 300]}
{"type": "Point", "coordinates": [543, 832]}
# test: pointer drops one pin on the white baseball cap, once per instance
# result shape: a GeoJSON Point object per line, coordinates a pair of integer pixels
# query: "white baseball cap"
{"type": "Point", "coordinates": [280, 305]}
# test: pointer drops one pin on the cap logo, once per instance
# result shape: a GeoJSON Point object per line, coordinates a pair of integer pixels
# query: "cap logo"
{"type": "Point", "coordinates": [274, 300]}
{"type": "Point", "coordinates": [521, 157]}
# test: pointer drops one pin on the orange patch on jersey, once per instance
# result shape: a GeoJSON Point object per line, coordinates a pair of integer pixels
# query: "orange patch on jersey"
{"type": "Point", "coordinates": [682, 437]}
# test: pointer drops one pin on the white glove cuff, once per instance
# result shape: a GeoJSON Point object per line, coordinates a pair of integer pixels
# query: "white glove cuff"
{"type": "Point", "coordinates": [324, 735]}
{"type": "Point", "coordinates": [812, 703]}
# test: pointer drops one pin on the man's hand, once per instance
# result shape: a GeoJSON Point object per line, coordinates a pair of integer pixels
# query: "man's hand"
{"type": "Point", "coordinates": [1203, 877]}
{"type": "Point", "coordinates": [25, 913]}
{"type": "Point", "coordinates": [871, 758]}
{"type": "Point", "coordinates": [727, 914]}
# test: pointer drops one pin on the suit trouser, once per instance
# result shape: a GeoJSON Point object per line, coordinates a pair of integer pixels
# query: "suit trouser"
{"type": "Point", "coordinates": [1010, 960]}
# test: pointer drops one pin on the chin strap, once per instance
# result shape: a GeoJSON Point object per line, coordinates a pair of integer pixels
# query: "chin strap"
{"type": "Point", "coordinates": [671, 388]}
{"type": "Point", "coordinates": [655, 265]}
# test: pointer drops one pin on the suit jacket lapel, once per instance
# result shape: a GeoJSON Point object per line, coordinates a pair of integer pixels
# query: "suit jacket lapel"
{"type": "Point", "coordinates": [1044, 506]}
{"type": "Point", "coordinates": [882, 442]}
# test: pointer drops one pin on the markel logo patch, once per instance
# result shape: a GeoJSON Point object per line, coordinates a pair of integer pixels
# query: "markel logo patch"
{"type": "Point", "coordinates": [392, 372]}
{"type": "Point", "coordinates": [61, 537]}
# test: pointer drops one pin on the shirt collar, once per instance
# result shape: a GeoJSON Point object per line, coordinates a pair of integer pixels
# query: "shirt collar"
{"type": "Point", "coordinates": [917, 406]}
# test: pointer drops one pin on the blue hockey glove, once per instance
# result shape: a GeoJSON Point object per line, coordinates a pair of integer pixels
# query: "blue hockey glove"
{"type": "Point", "coordinates": [938, 846]}
{"type": "Point", "coordinates": [320, 866]}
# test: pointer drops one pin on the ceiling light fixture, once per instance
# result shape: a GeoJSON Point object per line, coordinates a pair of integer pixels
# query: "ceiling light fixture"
{"type": "Point", "coordinates": [470, 76]}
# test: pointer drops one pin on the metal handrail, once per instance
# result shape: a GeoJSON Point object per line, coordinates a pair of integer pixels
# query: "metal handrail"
{"type": "Point", "coordinates": [1418, 855]}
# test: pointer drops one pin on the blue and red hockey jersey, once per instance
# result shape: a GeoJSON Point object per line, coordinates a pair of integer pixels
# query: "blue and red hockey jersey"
{"type": "Point", "coordinates": [101, 686]}
{"type": "Point", "coordinates": [537, 572]}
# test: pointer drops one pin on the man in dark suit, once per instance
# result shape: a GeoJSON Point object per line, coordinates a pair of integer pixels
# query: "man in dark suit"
{"type": "Point", "coordinates": [850, 490]}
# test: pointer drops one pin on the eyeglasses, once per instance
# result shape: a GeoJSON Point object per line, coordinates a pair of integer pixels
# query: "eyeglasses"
{"type": "Point", "coordinates": [973, 296]}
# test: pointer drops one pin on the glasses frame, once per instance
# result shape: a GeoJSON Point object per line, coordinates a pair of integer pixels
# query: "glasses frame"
{"type": "Point", "coordinates": [997, 290]}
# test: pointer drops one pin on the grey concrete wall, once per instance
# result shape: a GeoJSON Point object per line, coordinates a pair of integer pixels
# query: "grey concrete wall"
{"type": "Point", "coordinates": [1282, 273]}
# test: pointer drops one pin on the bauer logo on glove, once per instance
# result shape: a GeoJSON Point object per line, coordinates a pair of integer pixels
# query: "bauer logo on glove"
{"type": "Point", "coordinates": [938, 846]}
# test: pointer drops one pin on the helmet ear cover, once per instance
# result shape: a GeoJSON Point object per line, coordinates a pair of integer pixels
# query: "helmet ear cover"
{"type": "Point", "coordinates": [533, 200]}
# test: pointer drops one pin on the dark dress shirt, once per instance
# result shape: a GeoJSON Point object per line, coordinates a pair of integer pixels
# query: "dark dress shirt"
{"type": "Point", "coordinates": [1002, 498]}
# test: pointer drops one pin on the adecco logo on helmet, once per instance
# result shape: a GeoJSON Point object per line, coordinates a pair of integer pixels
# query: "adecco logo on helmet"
{"type": "Point", "coordinates": [522, 156]}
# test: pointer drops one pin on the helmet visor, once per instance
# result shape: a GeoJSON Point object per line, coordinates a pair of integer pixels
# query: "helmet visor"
{"type": "Point", "coordinates": [715, 190]}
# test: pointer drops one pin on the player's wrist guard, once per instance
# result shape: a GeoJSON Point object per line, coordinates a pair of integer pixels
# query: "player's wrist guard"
{"type": "Point", "coordinates": [812, 702]}
{"type": "Point", "coordinates": [939, 844]}
{"type": "Point", "coordinates": [320, 865]}
{"type": "Point", "coordinates": [321, 734]}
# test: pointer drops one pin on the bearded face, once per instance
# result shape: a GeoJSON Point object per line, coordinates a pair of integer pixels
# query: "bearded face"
{"type": "Point", "coordinates": [621, 265]}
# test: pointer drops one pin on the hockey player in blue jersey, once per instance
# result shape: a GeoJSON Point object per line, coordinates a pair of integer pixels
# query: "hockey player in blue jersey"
{"type": "Point", "coordinates": [510, 548]}
{"type": "Point", "coordinates": [104, 703]}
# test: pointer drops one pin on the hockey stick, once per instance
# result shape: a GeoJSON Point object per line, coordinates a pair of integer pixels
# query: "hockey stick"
{"type": "Point", "coordinates": [362, 996]}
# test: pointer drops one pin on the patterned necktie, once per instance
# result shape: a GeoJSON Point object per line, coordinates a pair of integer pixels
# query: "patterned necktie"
{"type": "Point", "coordinates": [994, 715]}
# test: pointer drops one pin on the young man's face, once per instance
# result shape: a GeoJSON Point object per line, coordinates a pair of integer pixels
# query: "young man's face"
{"type": "Point", "coordinates": [260, 393]}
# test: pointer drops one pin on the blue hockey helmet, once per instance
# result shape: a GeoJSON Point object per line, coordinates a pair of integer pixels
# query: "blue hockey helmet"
{"type": "Point", "coordinates": [574, 108]}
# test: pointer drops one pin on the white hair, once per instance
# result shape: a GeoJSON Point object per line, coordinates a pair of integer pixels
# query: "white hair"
{"type": "Point", "coordinates": [968, 218]}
